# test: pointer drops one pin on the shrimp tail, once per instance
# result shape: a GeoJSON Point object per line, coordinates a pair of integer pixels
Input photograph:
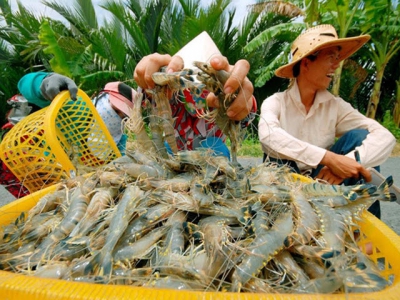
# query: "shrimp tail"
{"type": "Point", "coordinates": [100, 264]}
{"type": "Point", "coordinates": [383, 192]}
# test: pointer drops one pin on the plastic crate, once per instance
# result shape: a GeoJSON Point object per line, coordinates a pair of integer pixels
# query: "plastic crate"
{"type": "Point", "coordinates": [50, 144]}
{"type": "Point", "coordinates": [386, 250]}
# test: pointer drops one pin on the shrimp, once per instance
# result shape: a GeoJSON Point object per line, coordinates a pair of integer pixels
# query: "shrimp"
{"type": "Point", "coordinates": [264, 245]}
{"type": "Point", "coordinates": [47, 203]}
{"type": "Point", "coordinates": [333, 229]}
{"type": "Point", "coordinates": [138, 171]}
{"type": "Point", "coordinates": [11, 260]}
{"type": "Point", "coordinates": [140, 248]}
{"type": "Point", "coordinates": [101, 262]}
{"type": "Point", "coordinates": [75, 212]}
{"type": "Point", "coordinates": [285, 260]}
{"type": "Point", "coordinates": [148, 160]}
{"type": "Point", "coordinates": [136, 125]}
{"type": "Point", "coordinates": [144, 223]}
{"type": "Point", "coordinates": [360, 279]}
{"type": "Point", "coordinates": [306, 220]}
{"type": "Point", "coordinates": [162, 110]}
{"type": "Point", "coordinates": [112, 180]}
{"type": "Point", "coordinates": [327, 284]}
{"type": "Point", "coordinates": [275, 193]}
{"type": "Point", "coordinates": [174, 241]}
{"type": "Point", "coordinates": [337, 195]}
{"type": "Point", "coordinates": [356, 208]}
{"type": "Point", "coordinates": [57, 270]}
{"type": "Point", "coordinates": [100, 200]}
{"type": "Point", "coordinates": [222, 163]}
{"type": "Point", "coordinates": [48, 224]}
{"type": "Point", "coordinates": [202, 194]}
{"type": "Point", "coordinates": [214, 81]}
{"type": "Point", "coordinates": [178, 200]}
{"type": "Point", "coordinates": [180, 183]}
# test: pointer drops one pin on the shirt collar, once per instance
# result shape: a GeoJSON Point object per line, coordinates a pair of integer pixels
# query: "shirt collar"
{"type": "Point", "coordinates": [321, 97]}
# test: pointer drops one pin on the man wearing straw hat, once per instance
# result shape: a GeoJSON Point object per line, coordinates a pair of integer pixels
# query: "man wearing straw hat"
{"type": "Point", "coordinates": [300, 125]}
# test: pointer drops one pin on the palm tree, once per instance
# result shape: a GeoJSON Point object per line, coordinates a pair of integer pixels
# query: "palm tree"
{"type": "Point", "coordinates": [276, 38]}
{"type": "Point", "coordinates": [187, 19]}
{"type": "Point", "coordinates": [20, 49]}
{"type": "Point", "coordinates": [385, 41]}
{"type": "Point", "coordinates": [345, 15]}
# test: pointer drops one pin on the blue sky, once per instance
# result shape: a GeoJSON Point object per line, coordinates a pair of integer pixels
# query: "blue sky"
{"type": "Point", "coordinates": [37, 7]}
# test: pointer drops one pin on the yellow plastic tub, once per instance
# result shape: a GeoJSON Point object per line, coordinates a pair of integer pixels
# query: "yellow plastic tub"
{"type": "Point", "coordinates": [48, 145]}
{"type": "Point", "coordinates": [386, 249]}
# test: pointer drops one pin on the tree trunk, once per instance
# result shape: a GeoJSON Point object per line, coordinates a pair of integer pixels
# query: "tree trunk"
{"type": "Point", "coordinates": [396, 111]}
{"type": "Point", "coordinates": [376, 92]}
{"type": "Point", "coordinates": [336, 82]}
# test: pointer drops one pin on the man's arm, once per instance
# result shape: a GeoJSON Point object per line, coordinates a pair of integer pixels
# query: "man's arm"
{"type": "Point", "coordinates": [379, 143]}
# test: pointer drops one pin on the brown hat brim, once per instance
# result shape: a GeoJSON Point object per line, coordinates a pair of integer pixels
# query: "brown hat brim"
{"type": "Point", "coordinates": [348, 46]}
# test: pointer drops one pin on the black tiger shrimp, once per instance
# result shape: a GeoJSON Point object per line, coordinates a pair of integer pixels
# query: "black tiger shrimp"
{"type": "Point", "coordinates": [185, 228]}
{"type": "Point", "coordinates": [214, 81]}
{"type": "Point", "coordinates": [203, 78]}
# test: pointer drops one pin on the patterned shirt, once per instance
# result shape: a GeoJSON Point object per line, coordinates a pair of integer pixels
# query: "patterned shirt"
{"type": "Point", "coordinates": [190, 129]}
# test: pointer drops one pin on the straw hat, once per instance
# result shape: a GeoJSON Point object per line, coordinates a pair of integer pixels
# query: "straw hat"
{"type": "Point", "coordinates": [315, 39]}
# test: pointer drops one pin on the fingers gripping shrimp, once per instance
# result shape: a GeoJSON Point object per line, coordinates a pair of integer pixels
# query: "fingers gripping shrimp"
{"type": "Point", "coordinates": [214, 81]}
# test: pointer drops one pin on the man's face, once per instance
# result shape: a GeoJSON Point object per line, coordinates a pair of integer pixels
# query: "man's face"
{"type": "Point", "coordinates": [322, 69]}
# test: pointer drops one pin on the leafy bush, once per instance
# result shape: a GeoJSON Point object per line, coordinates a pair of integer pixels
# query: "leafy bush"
{"type": "Point", "coordinates": [250, 146]}
{"type": "Point", "coordinates": [389, 123]}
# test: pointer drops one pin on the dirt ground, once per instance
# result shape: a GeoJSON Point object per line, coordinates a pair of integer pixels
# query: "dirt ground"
{"type": "Point", "coordinates": [396, 150]}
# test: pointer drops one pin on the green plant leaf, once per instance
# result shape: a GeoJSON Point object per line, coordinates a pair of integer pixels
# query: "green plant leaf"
{"type": "Point", "coordinates": [47, 37]}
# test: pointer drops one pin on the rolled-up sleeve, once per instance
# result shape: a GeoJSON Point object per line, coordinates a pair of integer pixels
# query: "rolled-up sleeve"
{"type": "Point", "coordinates": [379, 143]}
{"type": "Point", "coordinates": [287, 131]}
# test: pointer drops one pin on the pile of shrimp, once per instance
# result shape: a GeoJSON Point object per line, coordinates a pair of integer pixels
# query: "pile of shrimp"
{"type": "Point", "coordinates": [194, 221]}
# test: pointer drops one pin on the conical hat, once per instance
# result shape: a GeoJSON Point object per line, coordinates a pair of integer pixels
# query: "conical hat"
{"type": "Point", "coordinates": [202, 48]}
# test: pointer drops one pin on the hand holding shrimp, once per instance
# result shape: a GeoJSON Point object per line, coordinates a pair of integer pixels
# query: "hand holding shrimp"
{"type": "Point", "coordinates": [237, 81]}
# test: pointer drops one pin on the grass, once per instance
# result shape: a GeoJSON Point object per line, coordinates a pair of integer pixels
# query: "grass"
{"type": "Point", "coordinates": [249, 147]}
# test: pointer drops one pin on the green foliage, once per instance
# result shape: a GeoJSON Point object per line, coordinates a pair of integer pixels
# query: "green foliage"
{"type": "Point", "coordinates": [390, 124]}
{"type": "Point", "coordinates": [58, 61]}
{"type": "Point", "coordinates": [250, 147]}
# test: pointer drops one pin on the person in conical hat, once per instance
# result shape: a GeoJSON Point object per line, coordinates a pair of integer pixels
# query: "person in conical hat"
{"type": "Point", "coordinates": [300, 125]}
{"type": "Point", "coordinates": [191, 131]}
